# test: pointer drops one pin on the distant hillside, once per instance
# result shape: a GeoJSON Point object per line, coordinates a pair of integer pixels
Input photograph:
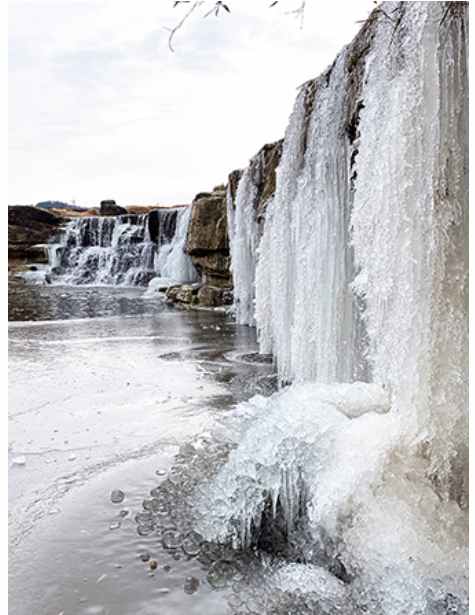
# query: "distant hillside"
{"type": "Point", "coordinates": [59, 205]}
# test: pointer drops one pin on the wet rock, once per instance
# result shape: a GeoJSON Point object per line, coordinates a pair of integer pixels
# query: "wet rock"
{"type": "Point", "coordinates": [186, 293]}
{"type": "Point", "coordinates": [162, 223]}
{"type": "Point", "coordinates": [211, 296]}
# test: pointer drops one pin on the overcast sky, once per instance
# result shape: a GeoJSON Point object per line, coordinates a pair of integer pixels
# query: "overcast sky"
{"type": "Point", "coordinates": [100, 108]}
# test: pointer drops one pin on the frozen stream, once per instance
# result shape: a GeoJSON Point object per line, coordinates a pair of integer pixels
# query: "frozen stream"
{"type": "Point", "coordinates": [98, 404]}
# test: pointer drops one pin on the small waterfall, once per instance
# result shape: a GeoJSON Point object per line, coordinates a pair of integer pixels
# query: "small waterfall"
{"type": "Point", "coordinates": [121, 250]}
{"type": "Point", "coordinates": [362, 276]}
{"type": "Point", "coordinates": [173, 263]}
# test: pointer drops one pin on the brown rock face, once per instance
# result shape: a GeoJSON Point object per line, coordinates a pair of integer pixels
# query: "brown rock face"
{"type": "Point", "coordinates": [211, 296]}
{"type": "Point", "coordinates": [207, 241]}
{"type": "Point", "coordinates": [27, 227]}
{"type": "Point", "coordinates": [184, 293]}
{"type": "Point", "coordinates": [263, 167]}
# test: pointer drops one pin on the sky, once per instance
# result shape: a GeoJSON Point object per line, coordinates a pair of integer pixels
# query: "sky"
{"type": "Point", "coordinates": [100, 108]}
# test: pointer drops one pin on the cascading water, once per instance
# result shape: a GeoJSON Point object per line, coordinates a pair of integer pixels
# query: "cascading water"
{"type": "Point", "coordinates": [172, 262]}
{"type": "Point", "coordinates": [362, 275]}
{"type": "Point", "coordinates": [123, 250]}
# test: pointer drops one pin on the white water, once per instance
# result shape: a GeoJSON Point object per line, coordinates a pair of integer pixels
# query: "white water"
{"type": "Point", "coordinates": [364, 277]}
{"type": "Point", "coordinates": [120, 250]}
{"type": "Point", "coordinates": [172, 262]}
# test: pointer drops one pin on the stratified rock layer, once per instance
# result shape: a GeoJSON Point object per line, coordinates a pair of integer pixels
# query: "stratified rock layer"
{"type": "Point", "coordinates": [29, 228]}
{"type": "Point", "coordinates": [208, 245]}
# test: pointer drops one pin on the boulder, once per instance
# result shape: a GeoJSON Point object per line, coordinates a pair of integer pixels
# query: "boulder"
{"type": "Point", "coordinates": [207, 240]}
{"type": "Point", "coordinates": [208, 225]}
{"type": "Point", "coordinates": [184, 293]}
{"type": "Point", "coordinates": [110, 208]}
{"type": "Point", "coordinates": [211, 296]}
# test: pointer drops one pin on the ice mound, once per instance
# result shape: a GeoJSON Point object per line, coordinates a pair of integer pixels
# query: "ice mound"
{"type": "Point", "coordinates": [329, 466]}
{"type": "Point", "coordinates": [298, 435]}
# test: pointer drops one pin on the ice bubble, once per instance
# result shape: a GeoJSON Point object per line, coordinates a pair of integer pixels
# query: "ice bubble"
{"type": "Point", "coordinates": [117, 496]}
{"type": "Point", "coordinates": [191, 544]}
{"type": "Point", "coordinates": [171, 539]}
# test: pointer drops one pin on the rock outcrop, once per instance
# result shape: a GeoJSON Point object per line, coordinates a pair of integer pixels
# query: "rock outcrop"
{"type": "Point", "coordinates": [110, 208]}
{"type": "Point", "coordinates": [29, 228]}
{"type": "Point", "coordinates": [208, 245]}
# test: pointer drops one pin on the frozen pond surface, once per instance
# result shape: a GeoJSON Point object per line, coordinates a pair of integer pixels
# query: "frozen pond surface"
{"type": "Point", "coordinates": [104, 388]}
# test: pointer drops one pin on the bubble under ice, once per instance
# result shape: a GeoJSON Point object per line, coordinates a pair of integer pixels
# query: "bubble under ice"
{"type": "Point", "coordinates": [362, 274]}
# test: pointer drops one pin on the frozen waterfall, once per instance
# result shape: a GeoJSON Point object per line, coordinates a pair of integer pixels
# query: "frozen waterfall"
{"type": "Point", "coordinates": [361, 296]}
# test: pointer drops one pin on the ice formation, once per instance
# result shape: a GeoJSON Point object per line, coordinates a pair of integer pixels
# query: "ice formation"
{"type": "Point", "coordinates": [173, 263]}
{"type": "Point", "coordinates": [244, 232]}
{"type": "Point", "coordinates": [120, 250]}
{"type": "Point", "coordinates": [362, 276]}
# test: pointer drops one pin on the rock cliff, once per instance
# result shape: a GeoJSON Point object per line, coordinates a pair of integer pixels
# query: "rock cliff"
{"type": "Point", "coordinates": [29, 228]}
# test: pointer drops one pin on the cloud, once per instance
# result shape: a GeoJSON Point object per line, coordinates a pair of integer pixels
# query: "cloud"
{"type": "Point", "coordinates": [99, 105]}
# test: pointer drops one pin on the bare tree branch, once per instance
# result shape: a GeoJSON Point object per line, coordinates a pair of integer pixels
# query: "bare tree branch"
{"type": "Point", "coordinates": [299, 12]}
{"type": "Point", "coordinates": [216, 6]}
{"type": "Point", "coordinates": [174, 30]}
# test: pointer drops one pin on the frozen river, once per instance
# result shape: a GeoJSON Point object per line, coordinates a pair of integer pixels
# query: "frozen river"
{"type": "Point", "coordinates": [104, 388]}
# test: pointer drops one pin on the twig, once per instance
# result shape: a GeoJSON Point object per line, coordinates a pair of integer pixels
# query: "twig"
{"type": "Point", "coordinates": [299, 11]}
{"type": "Point", "coordinates": [174, 30]}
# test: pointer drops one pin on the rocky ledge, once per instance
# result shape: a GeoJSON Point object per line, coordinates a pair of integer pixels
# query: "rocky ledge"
{"type": "Point", "coordinates": [29, 229]}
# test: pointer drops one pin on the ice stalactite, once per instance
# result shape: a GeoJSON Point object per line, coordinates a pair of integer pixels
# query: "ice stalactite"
{"type": "Point", "coordinates": [362, 275]}
{"type": "Point", "coordinates": [246, 211]}
{"type": "Point", "coordinates": [410, 226]}
{"type": "Point", "coordinates": [306, 313]}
